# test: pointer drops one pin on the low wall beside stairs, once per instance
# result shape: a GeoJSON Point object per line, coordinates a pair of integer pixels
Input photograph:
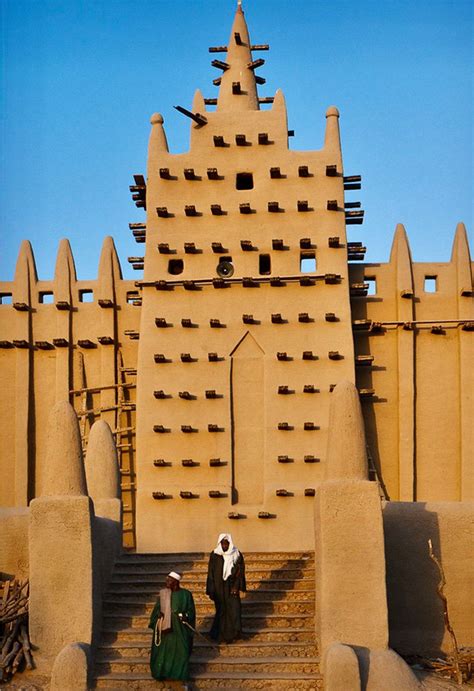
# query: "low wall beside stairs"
{"type": "Point", "coordinates": [416, 620]}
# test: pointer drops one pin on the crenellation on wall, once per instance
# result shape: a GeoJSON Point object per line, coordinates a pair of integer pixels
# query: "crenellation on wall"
{"type": "Point", "coordinates": [420, 371]}
{"type": "Point", "coordinates": [53, 346]}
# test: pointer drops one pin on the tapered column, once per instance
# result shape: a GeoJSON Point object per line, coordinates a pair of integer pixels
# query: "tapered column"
{"type": "Point", "coordinates": [23, 286]}
{"type": "Point", "coordinates": [461, 260]}
{"type": "Point", "coordinates": [65, 299]}
{"type": "Point", "coordinates": [400, 258]}
{"type": "Point", "coordinates": [108, 276]}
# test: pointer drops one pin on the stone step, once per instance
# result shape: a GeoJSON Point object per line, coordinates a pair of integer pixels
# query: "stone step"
{"type": "Point", "coordinates": [252, 573]}
{"type": "Point", "coordinates": [278, 650]}
{"type": "Point", "coordinates": [129, 606]}
{"type": "Point", "coordinates": [169, 557]}
{"type": "Point", "coordinates": [152, 584]}
{"type": "Point", "coordinates": [148, 595]}
{"type": "Point", "coordinates": [136, 635]}
{"type": "Point", "coordinates": [207, 649]}
{"type": "Point", "coordinates": [232, 681]}
{"type": "Point", "coordinates": [249, 620]}
{"type": "Point", "coordinates": [309, 665]}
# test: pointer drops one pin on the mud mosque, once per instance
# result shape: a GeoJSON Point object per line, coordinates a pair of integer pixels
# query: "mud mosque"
{"type": "Point", "coordinates": [249, 382]}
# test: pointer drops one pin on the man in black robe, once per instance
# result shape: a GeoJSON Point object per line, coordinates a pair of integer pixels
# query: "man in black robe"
{"type": "Point", "coordinates": [225, 581]}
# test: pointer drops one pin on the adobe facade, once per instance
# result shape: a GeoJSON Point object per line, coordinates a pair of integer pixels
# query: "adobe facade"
{"type": "Point", "coordinates": [215, 371]}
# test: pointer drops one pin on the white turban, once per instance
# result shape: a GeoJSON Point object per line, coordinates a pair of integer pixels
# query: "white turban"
{"type": "Point", "coordinates": [230, 557]}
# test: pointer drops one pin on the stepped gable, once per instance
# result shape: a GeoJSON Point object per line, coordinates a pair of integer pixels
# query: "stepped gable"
{"type": "Point", "coordinates": [278, 650]}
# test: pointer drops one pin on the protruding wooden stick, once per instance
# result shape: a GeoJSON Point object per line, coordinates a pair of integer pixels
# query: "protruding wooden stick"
{"type": "Point", "coordinates": [447, 623]}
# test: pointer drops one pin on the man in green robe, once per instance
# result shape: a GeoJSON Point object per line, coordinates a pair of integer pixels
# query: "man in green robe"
{"type": "Point", "coordinates": [171, 619]}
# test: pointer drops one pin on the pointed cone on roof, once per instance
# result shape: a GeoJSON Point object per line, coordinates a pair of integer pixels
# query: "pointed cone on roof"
{"type": "Point", "coordinates": [238, 57]}
{"type": "Point", "coordinates": [64, 273]}
{"type": "Point", "coordinates": [157, 144]}
{"type": "Point", "coordinates": [401, 255]}
{"type": "Point", "coordinates": [400, 246]}
{"type": "Point", "coordinates": [279, 102]}
{"type": "Point", "coordinates": [332, 139]}
{"type": "Point", "coordinates": [461, 259]}
{"type": "Point", "coordinates": [400, 258]}
{"type": "Point", "coordinates": [109, 271]}
{"type": "Point", "coordinates": [198, 103]}
{"type": "Point", "coordinates": [25, 274]}
{"type": "Point", "coordinates": [460, 249]}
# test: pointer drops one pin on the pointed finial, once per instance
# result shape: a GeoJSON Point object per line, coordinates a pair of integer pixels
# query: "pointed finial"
{"type": "Point", "coordinates": [461, 259]}
{"type": "Point", "coordinates": [400, 246]}
{"type": "Point", "coordinates": [332, 138]}
{"type": "Point", "coordinates": [109, 270]}
{"type": "Point", "coordinates": [400, 258]}
{"type": "Point", "coordinates": [238, 85]}
{"type": "Point", "coordinates": [25, 274]}
{"type": "Point", "coordinates": [157, 144]}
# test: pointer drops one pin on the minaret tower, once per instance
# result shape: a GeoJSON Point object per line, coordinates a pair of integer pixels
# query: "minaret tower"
{"type": "Point", "coordinates": [245, 324]}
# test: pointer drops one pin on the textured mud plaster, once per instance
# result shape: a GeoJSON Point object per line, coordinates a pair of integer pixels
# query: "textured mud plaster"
{"type": "Point", "coordinates": [415, 610]}
{"type": "Point", "coordinates": [60, 572]}
{"type": "Point", "coordinates": [384, 670]}
{"type": "Point", "coordinates": [70, 669]}
{"type": "Point", "coordinates": [14, 555]}
{"type": "Point", "coordinates": [341, 669]}
{"type": "Point", "coordinates": [350, 565]}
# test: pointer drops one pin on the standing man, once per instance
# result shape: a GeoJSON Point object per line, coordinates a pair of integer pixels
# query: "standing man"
{"type": "Point", "coordinates": [225, 581]}
{"type": "Point", "coordinates": [171, 619]}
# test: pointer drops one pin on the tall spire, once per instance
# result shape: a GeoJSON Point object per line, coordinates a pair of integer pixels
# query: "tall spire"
{"type": "Point", "coordinates": [238, 89]}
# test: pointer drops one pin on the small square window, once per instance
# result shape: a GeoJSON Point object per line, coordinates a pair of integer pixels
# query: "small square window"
{"type": "Point", "coordinates": [244, 181]}
{"type": "Point", "coordinates": [372, 282]}
{"type": "Point", "coordinates": [132, 296]}
{"type": "Point", "coordinates": [307, 262]}
{"type": "Point", "coordinates": [86, 296]}
{"type": "Point", "coordinates": [6, 298]}
{"type": "Point", "coordinates": [175, 266]}
{"type": "Point", "coordinates": [46, 298]}
{"type": "Point", "coordinates": [430, 285]}
{"type": "Point", "coordinates": [264, 264]}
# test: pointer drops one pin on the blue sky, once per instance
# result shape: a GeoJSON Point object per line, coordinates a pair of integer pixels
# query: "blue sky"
{"type": "Point", "coordinates": [81, 79]}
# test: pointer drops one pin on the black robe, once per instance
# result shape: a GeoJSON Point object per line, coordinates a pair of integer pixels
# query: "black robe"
{"type": "Point", "coordinates": [227, 624]}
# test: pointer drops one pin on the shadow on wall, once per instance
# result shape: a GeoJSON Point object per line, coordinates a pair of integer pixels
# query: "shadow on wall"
{"type": "Point", "coordinates": [364, 380]}
{"type": "Point", "coordinates": [416, 621]}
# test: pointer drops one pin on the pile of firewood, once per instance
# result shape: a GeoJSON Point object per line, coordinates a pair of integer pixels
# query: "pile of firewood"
{"type": "Point", "coordinates": [459, 667]}
{"type": "Point", "coordinates": [14, 642]}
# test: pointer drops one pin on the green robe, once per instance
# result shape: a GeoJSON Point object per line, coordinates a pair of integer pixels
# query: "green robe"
{"type": "Point", "coordinates": [170, 659]}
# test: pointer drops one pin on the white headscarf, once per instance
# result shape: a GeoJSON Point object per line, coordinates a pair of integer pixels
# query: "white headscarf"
{"type": "Point", "coordinates": [230, 557]}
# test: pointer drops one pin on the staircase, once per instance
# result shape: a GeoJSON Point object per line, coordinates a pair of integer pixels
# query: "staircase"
{"type": "Point", "coordinates": [278, 651]}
